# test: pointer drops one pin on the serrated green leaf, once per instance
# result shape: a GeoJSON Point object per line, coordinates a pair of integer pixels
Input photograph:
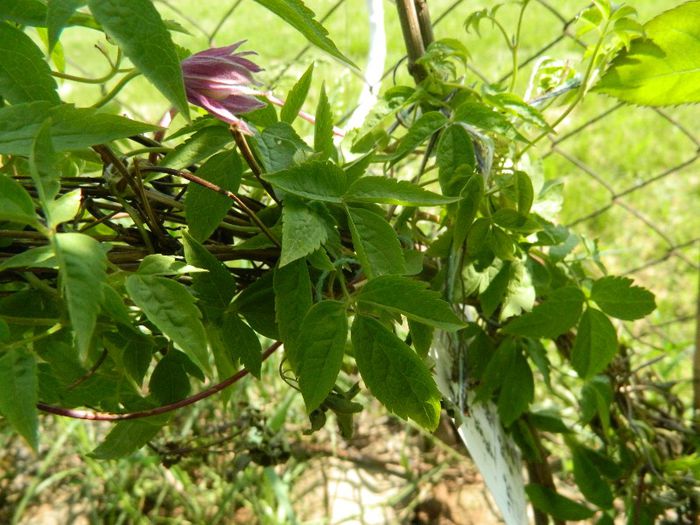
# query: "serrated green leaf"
{"type": "Point", "coordinates": [19, 393]}
{"type": "Point", "coordinates": [397, 377]}
{"type": "Point", "coordinates": [216, 286]}
{"type": "Point", "coordinates": [455, 157]}
{"type": "Point", "coordinates": [662, 69]}
{"type": "Point", "coordinates": [315, 180]}
{"type": "Point", "coordinates": [595, 345]}
{"type": "Point", "coordinates": [376, 243]}
{"type": "Point", "coordinates": [170, 307]}
{"type": "Point", "coordinates": [202, 144]}
{"type": "Point", "coordinates": [323, 127]}
{"type": "Point", "coordinates": [596, 399]}
{"type": "Point", "coordinates": [303, 19]}
{"type": "Point", "coordinates": [468, 207]}
{"type": "Point", "coordinates": [24, 12]}
{"type": "Point", "coordinates": [618, 298]}
{"type": "Point", "coordinates": [377, 189]}
{"type": "Point", "coordinates": [554, 316]}
{"type": "Point", "coordinates": [159, 264]}
{"type": "Point", "coordinates": [15, 203]}
{"type": "Point", "coordinates": [138, 29]}
{"type": "Point", "coordinates": [515, 221]}
{"type": "Point", "coordinates": [257, 304]}
{"type": "Point", "coordinates": [421, 337]}
{"type": "Point", "coordinates": [591, 484]}
{"type": "Point", "coordinates": [293, 300]}
{"type": "Point", "coordinates": [58, 14]}
{"type": "Point", "coordinates": [279, 147]}
{"type": "Point", "coordinates": [242, 343]}
{"type": "Point", "coordinates": [71, 128]}
{"type": "Point", "coordinates": [410, 298]}
{"type": "Point", "coordinates": [517, 390]}
{"type": "Point", "coordinates": [39, 257]}
{"type": "Point", "coordinates": [64, 208]}
{"type": "Point", "coordinates": [169, 381]}
{"type": "Point", "coordinates": [303, 231]}
{"type": "Point", "coordinates": [126, 437]}
{"type": "Point", "coordinates": [204, 208]}
{"type": "Point", "coordinates": [492, 297]}
{"type": "Point", "coordinates": [297, 96]}
{"type": "Point", "coordinates": [487, 119]}
{"type": "Point", "coordinates": [558, 506]}
{"type": "Point", "coordinates": [493, 372]}
{"type": "Point", "coordinates": [82, 265]}
{"type": "Point", "coordinates": [420, 131]}
{"type": "Point", "coordinates": [42, 167]}
{"type": "Point", "coordinates": [320, 350]}
{"type": "Point", "coordinates": [24, 75]}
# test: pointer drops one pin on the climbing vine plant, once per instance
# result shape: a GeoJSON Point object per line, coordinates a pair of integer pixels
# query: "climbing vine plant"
{"type": "Point", "coordinates": [138, 261]}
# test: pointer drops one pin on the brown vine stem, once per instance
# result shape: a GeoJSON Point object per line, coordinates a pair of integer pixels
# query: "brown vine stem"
{"type": "Point", "coordinates": [218, 189]}
{"type": "Point", "coordinates": [413, 38]}
{"type": "Point", "coordinates": [250, 159]}
{"type": "Point", "coordinates": [164, 409]}
{"type": "Point", "coordinates": [696, 365]}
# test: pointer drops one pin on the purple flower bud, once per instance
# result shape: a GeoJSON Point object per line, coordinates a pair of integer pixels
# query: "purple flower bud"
{"type": "Point", "coordinates": [218, 80]}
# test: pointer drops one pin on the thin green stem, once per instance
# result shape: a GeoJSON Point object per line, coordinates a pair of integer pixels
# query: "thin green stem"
{"type": "Point", "coordinates": [516, 45]}
{"type": "Point", "coordinates": [116, 89]}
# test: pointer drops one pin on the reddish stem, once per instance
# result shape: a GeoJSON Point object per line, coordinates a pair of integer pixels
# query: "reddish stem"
{"type": "Point", "coordinates": [108, 416]}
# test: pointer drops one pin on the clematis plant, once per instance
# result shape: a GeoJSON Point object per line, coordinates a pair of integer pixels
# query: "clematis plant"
{"type": "Point", "coordinates": [219, 80]}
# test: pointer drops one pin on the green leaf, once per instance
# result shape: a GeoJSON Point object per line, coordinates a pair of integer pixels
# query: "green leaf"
{"type": "Point", "coordinates": [297, 97]}
{"type": "Point", "coordinates": [293, 300]}
{"type": "Point", "coordinates": [421, 130]}
{"type": "Point", "coordinates": [662, 69]}
{"type": "Point", "coordinates": [421, 337]}
{"type": "Point", "coordinates": [43, 168]}
{"type": "Point", "coordinates": [492, 297]}
{"type": "Point", "coordinates": [551, 318]}
{"type": "Point", "coordinates": [410, 298]}
{"type": "Point", "coordinates": [487, 119]}
{"type": "Point", "coordinates": [242, 343]}
{"type": "Point", "coordinates": [558, 506]}
{"type": "Point", "coordinates": [71, 128]}
{"type": "Point", "coordinates": [596, 399]}
{"type": "Point", "coordinates": [170, 307]}
{"type": "Point", "coordinates": [323, 127]}
{"type": "Point", "coordinates": [279, 147]}
{"type": "Point", "coordinates": [517, 390]}
{"type": "Point", "coordinates": [23, 12]}
{"type": "Point", "coordinates": [58, 14]}
{"type": "Point", "coordinates": [397, 377]}
{"type": "Point", "coordinates": [455, 154]}
{"type": "Point", "coordinates": [303, 231]}
{"type": "Point", "coordinates": [24, 75]}
{"type": "Point", "coordinates": [138, 29]}
{"type": "Point", "coordinates": [64, 208]}
{"type": "Point", "coordinates": [618, 298]}
{"type": "Point", "coordinates": [82, 265]}
{"type": "Point", "coordinates": [204, 208]}
{"type": "Point", "coordinates": [216, 287]}
{"type": "Point", "coordinates": [595, 345]}
{"type": "Point", "coordinates": [19, 393]}
{"type": "Point", "coordinates": [15, 203]}
{"type": "Point", "coordinates": [257, 304]}
{"type": "Point", "coordinates": [376, 243]}
{"type": "Point", "coordinates": [316, 180]}
{"type": "Point", "coordinates": [39, 257]}
{"type": "Point", "coordinates": [468, 207]}
{"type": "Point", "coordinates": [378, 189]}
{"type": "Point", "coordinates": [303, 19]}
{"type": "Point", "coordinates": [126, 437]}
{"type": "Point", "coordinates": [320, 351]}
{"type": "Point", "coordinates": [591, 484]}
{"type": "Point", "coordinates": [169, 382]}
{"type": "Point", "coordinates": [202, 144]}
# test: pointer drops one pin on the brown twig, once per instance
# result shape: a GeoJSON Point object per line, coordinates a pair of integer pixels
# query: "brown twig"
{"type": "Point", "coordinates": [413, 38]}
{"type": "Point", "coordinates": [164, 409]}
{"type": "Point", "coordinates": [252, 162]}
